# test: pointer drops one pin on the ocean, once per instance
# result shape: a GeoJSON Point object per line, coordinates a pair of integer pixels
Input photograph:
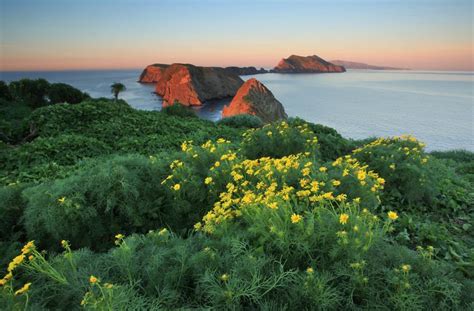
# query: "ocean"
{"type": "Point", "coordinates": [436, 107]}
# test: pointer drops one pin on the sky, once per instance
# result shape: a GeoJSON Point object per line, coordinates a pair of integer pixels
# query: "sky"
{"type": "Point", "coordinates": [116, 34]}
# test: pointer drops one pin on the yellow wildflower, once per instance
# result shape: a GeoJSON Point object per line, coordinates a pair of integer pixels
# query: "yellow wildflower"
{"type": "Point", "coordinates": [176, 187]}
{"type": "Point", "coordinates": [392, 166]}
{"type": "Point", "coordinates": [343, 218]}
{"type": "Point", "coordinates": [392, 215]}
{"type": "Point", "coordinates": [310, 270]}
{"type": "Point", "coordinates": [336, 183]}
{"type": "Point", "coordinates": [62, 200]}
{"type": "Point", "coordinates": [208, 180]}
{"type": "Point", "coordinates": [406, 268]}
{"type": "Point", "coordinates": [163, 231]}
{"type": "Point", "coordinates": [93, 279]}
{"type": "Point", "coordinates": [217, 164]}
{"type": "Point", "coordinates": [323, 169]}
{"type": "Point", "coordinates": [224, 277]}
{"type": "Point", "coordinates": [24, 289]}
{"type": "Point", "coordinates": [295, 218]}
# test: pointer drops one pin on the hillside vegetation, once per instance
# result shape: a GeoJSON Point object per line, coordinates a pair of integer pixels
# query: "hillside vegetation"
{"type": "Point", "coordinates": [106, 207]}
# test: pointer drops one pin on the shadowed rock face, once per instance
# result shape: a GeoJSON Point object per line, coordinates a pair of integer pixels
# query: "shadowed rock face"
{"type": "Point", "coordinates": [255, 99]}
{"type": "Point", "coordinates": [242, 71]}
{"type": "Point", "coordinates": [306, 64]}
{"type": "Point", "coordinates": [191, 85]}
{"type": "Point", "coordinates": [152, 73]}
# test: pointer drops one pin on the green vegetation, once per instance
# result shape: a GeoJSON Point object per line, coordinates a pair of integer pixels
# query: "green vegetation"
{"type": "Point", "coordinates": [133, 210]}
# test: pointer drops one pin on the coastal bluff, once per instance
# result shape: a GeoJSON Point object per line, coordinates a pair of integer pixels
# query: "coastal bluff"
{"type": "Point", "coordinates": [192, 85]}
{"type": "Point", "coordinates": [306, 64]}
{"type": "Point", "coordinates": [256, 99]}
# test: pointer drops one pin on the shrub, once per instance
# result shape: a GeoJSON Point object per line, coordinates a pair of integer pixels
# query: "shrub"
{"type": "Point", "coordinates": [179, 110]}
{"type": "Point", "coordinates": [64, 93]}
{"type": "Point", "coordinates": [120, 195]}
{"type": "Point", "coordinates": [65, 149]}
{"type": "Point", "coordinates": [13, 124]}
{"type": "Point", "coordinates": [32, 92]}
{"type": "Point", "coordinates": [278, 140]}
{"type": "Point", "coordinates": [4, 92]}
{"type": "Point", "coordinates": [403, 164]}
{"type": "Point", "coordinates": [331, 144]}
{"type": "Point", "coordinates": [242, 121]}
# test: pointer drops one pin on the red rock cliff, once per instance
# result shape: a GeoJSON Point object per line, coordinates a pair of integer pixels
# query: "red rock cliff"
{"type": "Point", "coordinates": [152, 73]}
{"type": "Point", "coordinates": [306, 64]}
{"type": "Point", "coordinates": [255, 99]}
{"type": "Point", "coordinates": [192, 85]}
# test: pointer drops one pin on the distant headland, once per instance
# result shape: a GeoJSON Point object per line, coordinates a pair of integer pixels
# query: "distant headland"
{"type": "Point", "coordinates": [355, 65]}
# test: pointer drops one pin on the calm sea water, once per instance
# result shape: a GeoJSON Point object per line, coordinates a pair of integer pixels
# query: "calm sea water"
{"type": "Point", "coordinates": [435, 107]}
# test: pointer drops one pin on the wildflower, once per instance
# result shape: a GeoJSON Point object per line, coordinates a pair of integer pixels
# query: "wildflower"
{"type": "Point", "coordinates": [23, 290]}
{"type": "Point", "coordinates": [65, 244]}
{"type": "Point", "coordinates": [28, 247]}
{"type": "Point", "coordinates": [295, 218]}
{"type": "Point", "coordinates": [62, 200]}
{"type": "Point", "coordinates": [217, 164]}
{"type": "Point", "coordinates": [323, 169]}
{"type": "Point", "coordinates": [310, 270]}
{"type": "Point", "coordinates": [208, 180]}
{"type": "Point", "coordinates": [406, 268]}
{"type": "Point", "coordinates": [119, 236]}
{"type": "Point", "coordinates": [93, 279]}
{"type": "Point", "coordinates": [361, 175]}
{"type": "Point", "coordinates": [356, 200]}
{"type": "Point", "coordinates": [269, 133]}
{"type": "Point", "coordinates": [163, 231]}
{"type": "Point", "coordinates": [176, 187]}
{"type": "Point", "coordinates": [343, 218]}
{"type": "Point", "coordinates": [392, 166]}
{"type": "Point", "coordinates": [108, 285]}
{"type": "Point", "coordinates": [392, 215]}
{"type": "Point", "coordinates": [197, 226]}
{"type": "Point", "coordinates": [224, 277]}
{"type": "Point", "coordinates": [336, 183]}
{"type": "Point", "coordinates": [345, 172]}
{"type": "Point", "coordinates": [273, 205]}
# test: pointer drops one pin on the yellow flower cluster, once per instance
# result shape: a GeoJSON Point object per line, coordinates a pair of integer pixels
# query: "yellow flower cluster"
{"type": "Point", "coordinates": [407, 145]}
{"type": "Point", "coordinates": [270, 182]}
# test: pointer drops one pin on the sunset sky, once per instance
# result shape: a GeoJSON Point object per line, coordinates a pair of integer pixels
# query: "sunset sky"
{"type": "Point", "coordinates": [103, 34]}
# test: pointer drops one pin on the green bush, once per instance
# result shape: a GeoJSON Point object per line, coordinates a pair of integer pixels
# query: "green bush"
{"type": "Point", "coordinates": [119, 196]}
{"type": "Point", "coordinates": [64, 149]}
{"type": "Point", "coordinates": [59, 93]}
{"type": "Point", "coordinates": [13, 124]}
{"type": "Point", "coordinates": [242, 121]}
{"type": "Point", "coordinates": [4, 93]}
{"type": "Point", "coordinates": [278, 140]}
{"type": "Point", "coordinates": [179, 110]}
{"type": "Point", "coordinates": [33, 92]}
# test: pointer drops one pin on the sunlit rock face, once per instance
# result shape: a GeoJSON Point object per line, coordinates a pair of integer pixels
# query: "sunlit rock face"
{"type": "Point", "coordinates": [255, 99]}
{"type": "Point", "coordinates": [306, 64]}
{"type": "Point", "coordinates": [152, 73]}
{"type": "Point", "coordinates": [192, 85]}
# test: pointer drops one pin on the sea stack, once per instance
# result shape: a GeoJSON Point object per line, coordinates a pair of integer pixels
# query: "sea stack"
{"type": "Point", "coordinates": [192, 85]}
{"type": "Point", "coordinates": [306, 64]}
{"type": "Point", "coordinates": [255, 99]}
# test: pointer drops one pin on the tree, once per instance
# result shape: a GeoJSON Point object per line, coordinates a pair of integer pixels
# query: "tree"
{"type": "Point", "coordinates": [116, 88]}
{"type": "Point", "coordinates": [64, 93]}
{"type": "Point", "coordinates": [32, 92]}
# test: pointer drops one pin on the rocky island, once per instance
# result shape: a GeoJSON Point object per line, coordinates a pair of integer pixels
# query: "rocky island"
{"type": "Point", "coordinates": [255, 99]}
{"type": "Point", "coordinates": [306, 64]}
{"type": "Point", "coordinates": [192, 85]}
{"type": "Point", "coordinates": [245, 71]}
